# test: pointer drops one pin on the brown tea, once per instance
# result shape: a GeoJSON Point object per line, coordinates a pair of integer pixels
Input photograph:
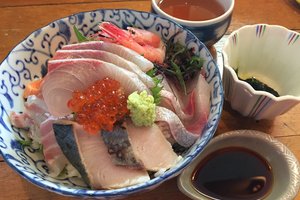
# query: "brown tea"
{"type": "Point", "coordinates": [193, 10]}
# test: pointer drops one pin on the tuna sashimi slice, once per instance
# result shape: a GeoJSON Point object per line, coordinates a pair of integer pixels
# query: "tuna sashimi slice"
{"type": "Point", "coordinates": [151, 147]}
{"type": "Point", "coordinates": [104, 56]}
{"type": "Point", "coordinates": [89, 153]}
{"type": "Point", "coordinates": [77, 74]}
{"type": "Point", "coordinates": [130, 55]}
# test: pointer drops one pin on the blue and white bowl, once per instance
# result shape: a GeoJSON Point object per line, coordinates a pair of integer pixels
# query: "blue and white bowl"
{"type": "Point", "coordinates": [28, 61]}
{"type": "Point", "coordinates": [208, 31]}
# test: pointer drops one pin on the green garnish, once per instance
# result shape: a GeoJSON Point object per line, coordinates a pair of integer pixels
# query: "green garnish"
{"type": "Point", "coordinates": [181, 63]}
{"type": "Point", "coordinates": [80, 36]}
{"type": "Point", "coordinates": [179, 75]}
{"type": "Point", "coordinates": [158, 87]}
{"type": "Point", "coordinates": [25, 143]}
{"type": "Point", "coordinates": [29, 143]}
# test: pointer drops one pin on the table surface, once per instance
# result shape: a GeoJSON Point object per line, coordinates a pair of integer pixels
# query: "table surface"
{"type": "Point", "coordinates": [20, 18]}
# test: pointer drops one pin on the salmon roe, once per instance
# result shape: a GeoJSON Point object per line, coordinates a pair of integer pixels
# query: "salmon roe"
{"type": "Point", "coordinates": [100, 105]}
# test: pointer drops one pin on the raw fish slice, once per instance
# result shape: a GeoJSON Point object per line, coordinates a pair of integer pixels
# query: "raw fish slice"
{"type": "Point", "coordinates": [170, 101]}
{"type": "Point", "coordinates": [126, 53]}
{"type": "Point", "coordinates": [54, 157]}
{"type": "Point", "coordinates": [165, 129]}
{"type": "Point", "coordinates": [107, 57]}
{"type": "Point", "coordinates": [119, 147]}
{"type": "Point", "coordinates": [78, 74]}
{"type": "Point", "coordinates": [192, 109]}
{"type": "Point", "coordinates": [34, 114]}
{"type": "Point", "coordinates": [199, 106]}
{"type": "Point", "coordinates": [151, 147]}
{"type": "Point", "coordinates": [20, 120]}
{"type": "Point", "coordinates": [65, 137]}
{"type": "Point", "coordinates": [89, 154]}
{"type": "Point", "coordinates": [179, 132]}
{"type": "Point", "coordinates": [37, 109]}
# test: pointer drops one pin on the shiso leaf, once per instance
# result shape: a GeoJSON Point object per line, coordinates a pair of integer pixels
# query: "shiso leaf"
{"type": "Point", "coordinates": [157, 87]}
{"type": "Point", "coordinates": [181, 63]}
{"type": "Point", "coordinates": [25, 143]}
{"type": "Point", "coordinates": [79, 35]}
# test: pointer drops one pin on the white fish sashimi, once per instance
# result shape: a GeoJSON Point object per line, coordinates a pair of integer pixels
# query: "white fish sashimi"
{"type": "Point", "coordinates": [126, 53]}
{"type": "Point", "coordinates": [36, 108]}
{"type": "Point", "coordinates": [102, 172]}
{"type": "Point", "coordinates": [190, 119]}
{"type": "Point", "coordinates": [88, 153]}
{"type": "Point", "coordinates": [54, 157]}
{"type": "Point", "coordinates": [199, 105]}
{"type": "Point", "coordinates": [119, 147]}
{"type": "Point", "coordinates": [34, 114]}
{"type": "Point", "coordinates": [170, 101]}
{"type": "Point", "coordinates": [151, 147]}
{"type": "Point", "coordinates": [178, 130]}
{"type": "Point", "coordinates": [192, 109]}
{"type": "Point", "coordinates": [107, 57]}
{"type": "Point", "coordinates": [77, 74]}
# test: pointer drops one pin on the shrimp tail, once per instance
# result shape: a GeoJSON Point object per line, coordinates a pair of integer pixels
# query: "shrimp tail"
{"type": "Point", "coordinates": [113, 31]}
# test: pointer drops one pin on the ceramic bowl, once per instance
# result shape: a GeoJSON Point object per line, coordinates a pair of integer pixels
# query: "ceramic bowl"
{"type": "Point", "coordinates": [208, 31]}
{"type": "Point", "coordinates": [285, 166]}
{"type": "Point", "coordinates": [269, 53]}
{"type": "Point", "coordinates": [28, 61]}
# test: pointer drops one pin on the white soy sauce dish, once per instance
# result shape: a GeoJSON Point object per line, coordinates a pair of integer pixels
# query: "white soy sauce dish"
{"type": "Point", "coordinates": [240, 175]}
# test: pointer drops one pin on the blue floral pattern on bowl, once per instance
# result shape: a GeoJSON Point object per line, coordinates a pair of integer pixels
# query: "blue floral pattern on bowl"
{"type": "Point", "coordinates": [28, 61]}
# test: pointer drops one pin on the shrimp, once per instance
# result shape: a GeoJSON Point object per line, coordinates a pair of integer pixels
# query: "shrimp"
{"type": "Point", "coordinates": [143, 42]}
{"type": "Point", "coordinates": [32, 88]}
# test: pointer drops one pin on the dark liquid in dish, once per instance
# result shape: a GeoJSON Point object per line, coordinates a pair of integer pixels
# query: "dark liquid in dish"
{"type": "Point", "coordinates": [233, 173]}
{"type": "Point", "coordinates": [193, 10]}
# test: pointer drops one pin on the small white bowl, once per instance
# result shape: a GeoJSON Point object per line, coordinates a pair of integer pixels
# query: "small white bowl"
{"type": "Point", "coordinates": [208, 31]}
{"type": "Point", "coordinates": [285, 166]}
{"type": "Point", "coordinates": [271, 54]}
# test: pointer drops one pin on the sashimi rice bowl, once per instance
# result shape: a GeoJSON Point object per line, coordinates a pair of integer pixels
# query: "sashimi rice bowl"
{"type": "Point", "coordinates": [107, 103]}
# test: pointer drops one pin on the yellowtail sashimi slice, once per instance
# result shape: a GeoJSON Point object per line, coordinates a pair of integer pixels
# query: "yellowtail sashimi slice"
{"type": "Point", "coordinates": [151, 147]}
{"type": "Point", "coordinates": [119, 147]}
{"type": "Point", "coordinates": [181, 135]}
{"type": "Point", "coordinates": [77, 74]}
{"type": "Point", "coordinates": [107, 57]}
{"type": "Point", "coordinates": [130, 55]}
{"type": "Point", "coordinates": [89, 155]}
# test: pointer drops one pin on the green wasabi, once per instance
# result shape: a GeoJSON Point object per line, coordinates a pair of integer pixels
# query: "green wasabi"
{"type": "Point", "coordinates": [142, 108]}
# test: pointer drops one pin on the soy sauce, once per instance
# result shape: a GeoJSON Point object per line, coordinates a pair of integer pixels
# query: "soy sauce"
{"type": "Point", "coordinates": [233, 173]}
{"type": "Point", "coordinates": [194, 10]}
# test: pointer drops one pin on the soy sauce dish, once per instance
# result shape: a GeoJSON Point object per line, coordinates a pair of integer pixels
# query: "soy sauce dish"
{"type": "Point", "coordinates": [242, 164]}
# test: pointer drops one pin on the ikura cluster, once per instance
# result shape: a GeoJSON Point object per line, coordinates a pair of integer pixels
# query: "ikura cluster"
{"type": "Point", "coordinates": [100, 105]}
